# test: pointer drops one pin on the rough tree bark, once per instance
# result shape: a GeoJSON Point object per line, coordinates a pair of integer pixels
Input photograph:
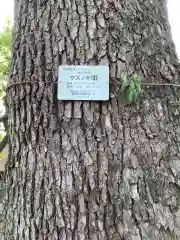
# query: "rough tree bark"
{"type": "Point", "coordinates": [93, 170]}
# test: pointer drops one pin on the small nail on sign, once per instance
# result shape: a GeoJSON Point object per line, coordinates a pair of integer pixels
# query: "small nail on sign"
{"type": "Point", "coordinates": [83, 83]}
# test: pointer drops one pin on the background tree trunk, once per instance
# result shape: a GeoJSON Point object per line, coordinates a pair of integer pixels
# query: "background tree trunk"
{"type": "Point", "coordinates": [92, 170]}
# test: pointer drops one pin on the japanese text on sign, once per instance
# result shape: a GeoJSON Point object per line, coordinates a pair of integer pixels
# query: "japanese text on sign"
{"type": "Point", "coordinates": [83, 83]}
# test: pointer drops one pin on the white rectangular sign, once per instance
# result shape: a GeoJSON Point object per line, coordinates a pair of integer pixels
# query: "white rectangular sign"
{"type": "Point", "coordinates": [83, 82]}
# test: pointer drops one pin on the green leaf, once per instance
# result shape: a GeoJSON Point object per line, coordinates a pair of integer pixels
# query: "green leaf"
{"type": "Point", "coordinates": [131, 88]}
{"type": "Point", "coordinates": [1, 137]}
{"type": "Point", "coordinates": [135, 96]}
{"type": "Point", "coordinates": [132, 83]}
{"type": "Point", "coordinates": [138, 87]}
{"type": "Point", "coordinates": [124, 84]}
{"type": "Point", "coordinates": [3, 156]}
{"type": "Point", "coordinates": [130, 96]}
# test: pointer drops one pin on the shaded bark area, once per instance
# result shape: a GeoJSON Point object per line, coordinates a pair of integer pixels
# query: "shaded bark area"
{"type": "Point", "coordinates": [92, 170]}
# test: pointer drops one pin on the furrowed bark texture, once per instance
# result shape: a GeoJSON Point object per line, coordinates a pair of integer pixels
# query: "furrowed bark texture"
{"type": "Point", "coordinates": [92, 170]}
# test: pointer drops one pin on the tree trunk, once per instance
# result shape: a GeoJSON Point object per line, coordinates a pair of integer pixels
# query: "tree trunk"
{"type": "Point", "coordinates": [93, 170]}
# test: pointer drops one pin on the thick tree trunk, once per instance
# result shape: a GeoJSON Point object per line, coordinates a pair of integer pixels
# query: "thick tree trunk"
{"type": "Point", "coordinates": [92, 170]}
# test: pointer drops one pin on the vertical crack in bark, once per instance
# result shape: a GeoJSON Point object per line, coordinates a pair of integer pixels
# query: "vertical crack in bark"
{"type": "Point", "coordinates": [135, 220]}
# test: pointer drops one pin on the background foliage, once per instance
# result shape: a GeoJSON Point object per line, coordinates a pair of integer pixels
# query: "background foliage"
{"type": "Point", "coordinates": [5, 55]}
{"type": "Point", "coordinates": [5, 62]}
